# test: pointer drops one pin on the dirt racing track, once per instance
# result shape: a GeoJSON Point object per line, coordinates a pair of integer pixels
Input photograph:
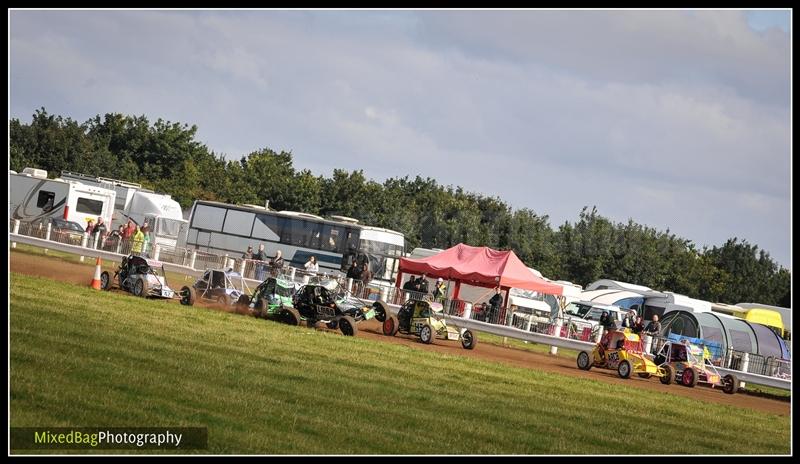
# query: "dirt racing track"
{"type": "Point", "coordinates": [81, 275]}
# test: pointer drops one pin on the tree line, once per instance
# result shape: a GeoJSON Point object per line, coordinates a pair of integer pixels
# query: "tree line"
{"type": "Point", "coordinates": [166, 157]}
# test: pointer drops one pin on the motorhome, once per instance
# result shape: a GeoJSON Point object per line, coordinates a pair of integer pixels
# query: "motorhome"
{"type": "Point", "coordinates": [34, 198]}
{"type": "Point", "coordinates": [160, 211]}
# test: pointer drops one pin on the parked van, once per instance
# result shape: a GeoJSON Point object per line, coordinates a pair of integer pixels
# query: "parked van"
{"type": "Point", "coordinates": [35, 198]}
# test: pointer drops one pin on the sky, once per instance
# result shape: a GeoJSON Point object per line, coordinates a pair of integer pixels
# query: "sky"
{"type": "Point", "coordinates": [677, 119]}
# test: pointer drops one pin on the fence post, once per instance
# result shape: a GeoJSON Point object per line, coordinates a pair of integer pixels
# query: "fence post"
{"type": "Point", "coordinates": [648, 341]}
{"type": "Point", "coordinates": [96, 237]}
{"type": "Point", "coordinates": [119, 243]}
{"type": "Point", "coordinates": [728, 357]}
{"type": "Point", "coordinates": [349, 284]}
{"type": "Point", "coordinates": [745, 365]}
{"type": "Point", "coordinates": [559, 325]}
{"type": "Point", "coordinates": [15, 231]}
{"type": "Point", "coordinates": [194, 257]}
{"type": "Point", "coordinates": [384, 293]}
{"type": "Point", "coordinates": [242, 267]}
{"type": "Point", "coordinates": [156, 251]}
{"type": "Point", "coordinates": [291, 273]}
{"type": "Point", "coordinates": [47, 235]}
{"type": "Point", "coordinates": [467, 314]}
{"type": "Point", "coordinates": [84, 240]}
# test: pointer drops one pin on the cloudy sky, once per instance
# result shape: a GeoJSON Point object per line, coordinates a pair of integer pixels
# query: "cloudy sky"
{"type": "Point", "coordinates": [677, 119]}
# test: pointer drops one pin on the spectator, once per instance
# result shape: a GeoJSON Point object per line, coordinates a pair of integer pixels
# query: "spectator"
{"type": "Point", "coordinates": [100, 230]}
{"type": "Point", "coordinates": [440, 290]}
{"type": "Point", "coordinates": [260, 257]}
{"type": "Point", "coordinates": [147, 240]}
{"type": "Point", "coordinates": [138, 242]}
{"type": "Point", "coordinates": [607, 321]}
{"type": "Point", "coordinates": [249, 253]}
{"type": "Point", "coordinates": [89, 226]}
{"type": "Point", "coordinates": [494, 304]}
{"type": "Point", "coordinates": [276, 263]}
{"type": "Point", "coordinates": [311, 266]}
{"type": "Point", "coordinates": [354, 272]}
{"type": "Point", "coordinates": [366, 274]}
{"type": "Point", "coordinates": [130, 230]}
{"type": "Point", "coordinates": [628, 319]}
{"type": "Point", "coordinates": [638, 325]}
{"type": "Point", "coordinates": [409, 285]}
{"type": "Point", "coordinates": [654, 327]}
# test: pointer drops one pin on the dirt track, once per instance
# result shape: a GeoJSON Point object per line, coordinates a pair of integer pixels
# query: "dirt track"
{"type": "Point", "coordinates": [82, 275]}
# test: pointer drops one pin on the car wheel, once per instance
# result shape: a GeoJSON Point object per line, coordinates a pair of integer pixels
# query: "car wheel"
{"type": "Point", "coordinates": [140, 287]}
{"type": "Point", "coordinates": [105, 281]}
{"type": "Point", "coordinates": [730, 384]}
{"type": "Point", "coordinates": [468, 340]}
{"type": "Point", "coordinates": [584, 361]}
{"type": "Point", "coordinates": [624, 369]}
{"type": "Point", "coordinates": [333, 325]}
{"type": "Point", "coordinates": [290, 316]}
{"type": "Point", "coordinates": [426, 334]}
{"type": "Point", "coordinates": [390, 325]}
{"type": "Point", "coordinates": [188, 296]}
{"type": "Point", "coordinates": [261, 308]}
{"type": "Point", "coordinates": [348, 326]}
{"type": "Point", "coordinates": [669, 375]}
{"type": "Point", "coordinates": [243, 302]}
{"type": "Point", "coordinates": [689, 377]}
{"type": "Point", "coordinates": [380, 311]}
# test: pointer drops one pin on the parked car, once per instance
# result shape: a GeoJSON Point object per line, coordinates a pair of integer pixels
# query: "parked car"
{"type": "Point", "coordinates": [587, 314]}
{"type": "Point", "coordinates": [61, 230]}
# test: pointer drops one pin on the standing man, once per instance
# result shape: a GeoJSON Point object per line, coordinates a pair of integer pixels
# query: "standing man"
{"type": "Point", "coordinates": [494, 303]}
{"type": "Point", "coordinates": [276, 263]}
{"type": "Point", "coordinates": [260, 257]}
{"type": "Point", "coordinates": [138, 242]}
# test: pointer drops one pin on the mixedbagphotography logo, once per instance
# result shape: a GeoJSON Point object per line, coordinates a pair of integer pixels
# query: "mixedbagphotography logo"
{"type": "Point", "coordinates": [104, 438]}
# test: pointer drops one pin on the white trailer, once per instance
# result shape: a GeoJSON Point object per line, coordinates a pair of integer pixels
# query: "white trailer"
{"type": "Point", "coordinates": [33, 197]}
{"type": "Point", "coordinates": [160, 211]}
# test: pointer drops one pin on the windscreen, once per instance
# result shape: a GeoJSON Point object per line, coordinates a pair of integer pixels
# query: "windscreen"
{"type": "Point", "coordinates": [168, 227]}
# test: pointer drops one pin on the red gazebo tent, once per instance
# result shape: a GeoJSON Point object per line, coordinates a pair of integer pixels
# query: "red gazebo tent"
{"type": "Point", "coordinates": [478, 266]}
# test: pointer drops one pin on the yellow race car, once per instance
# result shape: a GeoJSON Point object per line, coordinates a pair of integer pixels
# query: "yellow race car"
{"type": "Point", "coordinates": [622, 350]}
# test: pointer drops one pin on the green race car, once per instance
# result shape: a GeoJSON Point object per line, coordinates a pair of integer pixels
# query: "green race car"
{"type": "Point", "coordinates": [272, 299]}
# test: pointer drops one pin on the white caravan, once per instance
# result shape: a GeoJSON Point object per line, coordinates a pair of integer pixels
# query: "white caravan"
{"type": "Point", "coordinates": [33, 197]}
{"type": "Point", "coordinates": [160, 211]}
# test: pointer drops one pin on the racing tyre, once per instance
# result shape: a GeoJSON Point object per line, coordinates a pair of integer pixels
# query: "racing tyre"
{"type": "Point", "coordinates": [188, 296]}
{"type": "Point", "coordinates": [624, 369]}
{"type": "Point", "coordinates": [243, 302]}
{"type": "Point", "coordinates": [390, 326]}
{"type": "Point", "coordinates": [261, 308]}
{"type": "Point", "coordinates": [105, 281]}
{"type": "Point", "coordinates": [426, 334]}
{"type": "Point", "coordinates": [140, 287]}
{"type": "Point", "coordinates": [468, 340]}
{"type": "Point", "coordinates": [669, 375]}
{"type": "Point", "coordinates": [333, 325]}
{"type": "Point", "coordinates": [730, 384]}
{"type": "Point", "coordinates": [290, 316]}
{"type": "Point", "coordinates": [584, 361]}
{"type": "Point", "coordinates": [689, 377]}
{"type": "Point", "coordinates": [348, 326]}
{"type": "Point", "coordinates": [380, 311]}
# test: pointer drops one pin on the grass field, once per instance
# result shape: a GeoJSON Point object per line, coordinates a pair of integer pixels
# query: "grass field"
{"type": "Point", "coordinates": [84, 358]}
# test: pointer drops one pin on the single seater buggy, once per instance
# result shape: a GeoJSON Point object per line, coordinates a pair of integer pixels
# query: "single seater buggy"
{"type": "Point", "coordinates": [321, 303]}
{"type": "Point", "coordinates": [685, 363]}
{"type": "Point", "coordinates": [424, 319]}
{"type": "Point", "coordinates": [137, 275]}
{"type": "Point", "coordinates": [217, 286]}
{"type": "Point", "coordinates": [622, 350]}
{"type": "Point", "coordinates": [272, 299]}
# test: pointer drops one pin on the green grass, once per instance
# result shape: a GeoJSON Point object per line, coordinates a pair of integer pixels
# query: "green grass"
{"type": "Point", "coordinates": [85, 358]}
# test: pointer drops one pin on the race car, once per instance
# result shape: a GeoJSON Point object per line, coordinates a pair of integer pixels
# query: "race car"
{"type": "Point", "coordinates": [424, 319]}
{"type": "Point", "coordinates": [621, 350]}
{"type": "Point", "coordinates": [137, 275]}
{"type": "Point", "coordinates": [216, 285]}
{"type": "Point", "coordinates": [685, 363]}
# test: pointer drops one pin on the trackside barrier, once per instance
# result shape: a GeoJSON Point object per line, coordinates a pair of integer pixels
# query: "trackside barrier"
{"type": "Point", "coordinates": [452, 307]}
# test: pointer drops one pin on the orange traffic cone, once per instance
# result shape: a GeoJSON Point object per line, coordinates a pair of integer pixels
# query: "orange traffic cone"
{"type": "Point", "coordinates": [97, 271]}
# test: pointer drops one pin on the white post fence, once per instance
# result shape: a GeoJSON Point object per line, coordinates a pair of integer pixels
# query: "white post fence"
{"type": "Point", "coordinates": [15, 231]}
{"type": "Point", "coordinates": [47, 234]}
{"type": "Point", "coordinates": [156, 251]}
{"type": "Point", "coordinates": [84, 241]}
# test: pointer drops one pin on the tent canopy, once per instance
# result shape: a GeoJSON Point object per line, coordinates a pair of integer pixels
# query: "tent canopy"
{"type": "Point", "coordinates": [480, 266]}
